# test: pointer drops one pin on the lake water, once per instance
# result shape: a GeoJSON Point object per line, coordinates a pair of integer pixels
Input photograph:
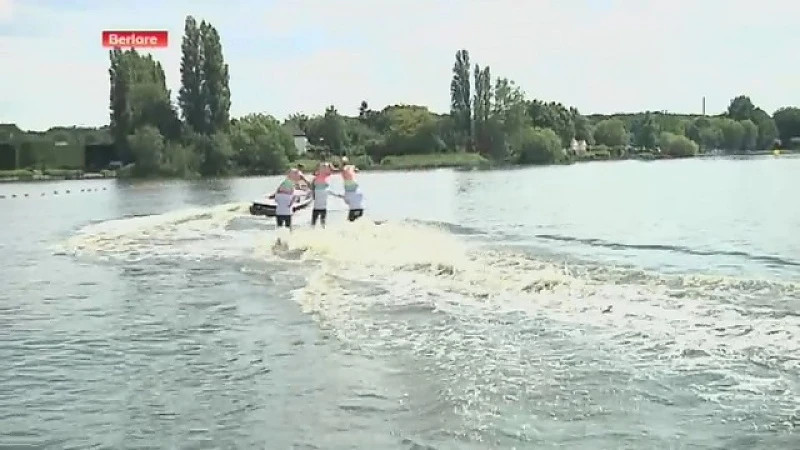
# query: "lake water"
{"type": "Point", "coordinates": [620, 305]}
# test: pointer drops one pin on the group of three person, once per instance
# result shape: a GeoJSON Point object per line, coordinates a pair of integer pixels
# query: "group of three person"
{"type": "Point", "coordinates": [319, 185]}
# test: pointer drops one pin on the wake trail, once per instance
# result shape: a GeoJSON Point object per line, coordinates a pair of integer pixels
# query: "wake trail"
{"type": "Point", "coordinates": [391, 286]}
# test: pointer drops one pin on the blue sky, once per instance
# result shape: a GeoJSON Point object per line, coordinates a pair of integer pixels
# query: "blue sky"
{"type": "Point", "coordinates": [300, 55]}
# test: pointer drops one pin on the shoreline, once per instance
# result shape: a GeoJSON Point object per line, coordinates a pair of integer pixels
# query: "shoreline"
{"type": "Point", "coordinates": [44, 178]}
{"type": "Point", "coordinates": [475, 165]}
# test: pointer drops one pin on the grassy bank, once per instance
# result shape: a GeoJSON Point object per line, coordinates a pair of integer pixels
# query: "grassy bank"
{"type": "Point", "coordinates": [474, 161]}
{"type": "Point", "coordinates": [414, 162]}
{"type": "Point", "coordinates": [51, 174]}
{"type": "Point", "coordinates": [434, 161]}
{"type": "Point", "coordinates": [605, 155]}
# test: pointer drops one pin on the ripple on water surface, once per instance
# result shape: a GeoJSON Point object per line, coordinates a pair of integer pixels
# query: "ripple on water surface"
{"type": "Point", "coordinates": [419, 339]}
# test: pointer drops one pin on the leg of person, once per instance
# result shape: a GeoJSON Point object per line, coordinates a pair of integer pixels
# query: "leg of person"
{"type": "Point", "coordinates": [288, 222]}
{"type": "Point", "coordinates": [354, 214]}
{"type": "Point", "coordinates": [323, 216]}
{"type": "Point", "coordinates": [280, 221]}
{"type": "Point", "coordinates": [316, 214]}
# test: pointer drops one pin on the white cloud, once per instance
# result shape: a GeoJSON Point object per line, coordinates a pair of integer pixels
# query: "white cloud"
{"type": "Point", "coordinates": [601, 56]}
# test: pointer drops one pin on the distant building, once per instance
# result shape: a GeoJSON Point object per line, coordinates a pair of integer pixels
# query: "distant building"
{"type": "Point", "coordinates": [301, 143]}
{"type": "Point", "coordinates": [578, 147]}
{"type": "Point", "coordinates": [299, 137]}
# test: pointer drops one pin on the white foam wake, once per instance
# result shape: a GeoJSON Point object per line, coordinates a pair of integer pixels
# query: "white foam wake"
{"type": "Point", "coordinates": [363, 266]}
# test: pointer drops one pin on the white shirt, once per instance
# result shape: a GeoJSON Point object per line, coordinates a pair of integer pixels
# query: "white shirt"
{"type": "Point", "coordinates": [283, 204]}
{"type": "Point", "coordinates": [321, 199]}
{"type": "Point", "coordinates": [354, 200]}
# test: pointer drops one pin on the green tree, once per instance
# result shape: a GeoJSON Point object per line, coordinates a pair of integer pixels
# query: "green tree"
{"type": "Point", "coordinates": [150, 105]}
{"type": "Point", "coordinates": [705, 133]}
{"type": "Point", "coordinates": [261, 145]}
{"type": "Point", "coordinates": [120, 111]}
{"type": "Point", "coordinates": [447, 130]}
{"type": "Point", "coordinates": [672, 123]}
{"type": "Point", "coordinates": [787, 120]}
{"type": "Point", "coordinates": [214, 152]}
{"type": "Point", "coordinates": [360, 135]}
{"type": "Point", "coordinates": [611, 132]}
{"type": "Point", "coordinates": [732, 134]}
{"type": "Point", "coordinates": [216, 81]}
{"type": "Point", "coordinates": [537, 146]}
{"type": "Point", "coordinates": [368, 116]}
{"type": "Point", "coordinates": [190, 96]}
{"type": "Point", "coordinates": [710, 137]}
{"type": "Point", "coordinates": [645, 132]}
{"type": "Point", "coordinates": [412, 130]}
{"type": "Point", "coordinates": [147, 147]}
{"type": "Point", "coordinates": [554, 116]}
{"type": "Point", "coordinates": [509, 106]}
{"type": "Point", "coordinates": [509, 116]}
{"type": "Point", "coordinates": [741, 108]}
{"type": "Point", "coordinates": [334, 132]}
{"type": "Point", "coordinates": [461, 97]}
{"type": "Point", "coordinates": [767, 130]}
{"type": "Point", "coordinates": [204, 97]}
{"type": "Point", "coordinates": [301, 121]}
{"type": "Point", "coordinates": [750, 135]}
{"type": "Point", "coordinates": [179, 160]}
{"type": "Point", "coordinates": [583, 128]}
{"type": "Point", "coordinates": [482, 110]}
{"type": "Point", "coordinates": [313, 127]}
{"type": "Point", "coordinates": [677, 145]}
{"type": "Point", "coordinates": [138, 97]}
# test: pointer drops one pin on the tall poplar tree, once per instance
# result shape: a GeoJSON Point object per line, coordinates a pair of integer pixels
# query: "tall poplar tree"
{"type": "Point", "coordinates": [461, 97]}
{"type": "Point", "coordinates": [190, 96]}
{"type": "Point", "coordinates": [216, 81]}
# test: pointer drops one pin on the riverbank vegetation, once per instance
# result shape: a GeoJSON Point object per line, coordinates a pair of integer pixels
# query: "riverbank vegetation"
{"type": "Point", "coordinates": [492, 122]}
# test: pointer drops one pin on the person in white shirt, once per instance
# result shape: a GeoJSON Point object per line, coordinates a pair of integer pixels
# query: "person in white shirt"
{"type": "Point", "coordinates": [355, 204]}
{"type": "Point", "coordinates": [319, 187]}
{"type": "Point", "coordinates": [320, 211]}
{"type": "Point", "coordinates": [284, 208]}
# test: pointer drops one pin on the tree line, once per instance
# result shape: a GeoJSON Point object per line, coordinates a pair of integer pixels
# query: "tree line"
{"type": "Point", "coordinates": [489, 117]}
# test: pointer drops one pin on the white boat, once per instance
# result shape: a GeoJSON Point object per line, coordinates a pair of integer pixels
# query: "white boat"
{"type": "Point", "coordinates": [266, 207]}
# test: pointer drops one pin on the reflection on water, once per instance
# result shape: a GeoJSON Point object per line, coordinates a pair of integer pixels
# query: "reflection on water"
{"type": "Point", "coordinates": [212, 192]}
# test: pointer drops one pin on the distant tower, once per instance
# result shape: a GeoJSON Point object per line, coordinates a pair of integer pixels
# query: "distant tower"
{"type": "Point", "coordinates": [704, 105]}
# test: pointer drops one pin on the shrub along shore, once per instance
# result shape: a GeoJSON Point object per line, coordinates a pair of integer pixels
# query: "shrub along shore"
{"type": "Point", "coordinates": [459, 161]}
